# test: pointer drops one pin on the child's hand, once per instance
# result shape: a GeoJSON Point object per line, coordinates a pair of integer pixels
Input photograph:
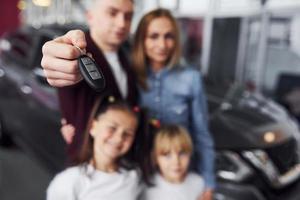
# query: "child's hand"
{"type": "Point", "coordinates": [207, 195]}
{"type": "Point", "coordinates": [67, 131]}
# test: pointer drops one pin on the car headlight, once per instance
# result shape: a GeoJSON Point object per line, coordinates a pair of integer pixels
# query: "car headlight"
{"type": "Point", "coordinates": [230, 166]}
{"type": "Point", "coordinates": [261, 160]}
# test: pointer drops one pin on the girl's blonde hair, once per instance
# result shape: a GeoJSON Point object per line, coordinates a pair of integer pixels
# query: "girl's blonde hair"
{"type": "Point", "coordinates": [170, 137]}
{"type": "Point", "coordinates": [139, 58]}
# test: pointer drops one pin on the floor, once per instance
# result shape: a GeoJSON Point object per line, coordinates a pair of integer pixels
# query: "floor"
{"type": "Point", "coordinates": [20, 176]}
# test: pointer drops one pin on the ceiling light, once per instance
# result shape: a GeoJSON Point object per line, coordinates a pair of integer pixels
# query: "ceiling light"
{"type": "Point", "coordinates": [42, 3]}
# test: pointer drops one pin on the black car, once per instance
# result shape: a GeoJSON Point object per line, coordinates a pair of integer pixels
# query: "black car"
{"type": "Point", "coordinates": [28, 105]}
{"type": "Point", "coordinates": [257, 145]}
{"type": "Point", "coordinates": [256, 140]}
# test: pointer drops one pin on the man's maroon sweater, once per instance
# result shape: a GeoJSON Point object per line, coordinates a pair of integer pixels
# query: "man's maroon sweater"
{"type": "Point", "coordinates": [76, 101]}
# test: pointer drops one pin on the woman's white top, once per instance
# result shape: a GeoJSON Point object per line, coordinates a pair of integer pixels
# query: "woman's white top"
{"type": "Point", "coordinates": [190, 189]}
{"type": "Point", "coordinates": [77, 183]}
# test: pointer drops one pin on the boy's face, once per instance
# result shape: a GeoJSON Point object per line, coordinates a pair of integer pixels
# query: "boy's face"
{"type": "Point", "coordinates": [110, 21]}
{"type": "Point", "coordinates": [113, 133]}
{"type": "Point", "coordinates": [173, 165]}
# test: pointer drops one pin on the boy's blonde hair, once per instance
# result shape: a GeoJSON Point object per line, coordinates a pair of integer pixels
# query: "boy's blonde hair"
{"type": "Point", "coordinates": [172, 136]}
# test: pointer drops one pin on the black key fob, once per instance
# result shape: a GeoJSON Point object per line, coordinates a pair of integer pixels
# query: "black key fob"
{"type": "Point", "coordinates": [91, 73]}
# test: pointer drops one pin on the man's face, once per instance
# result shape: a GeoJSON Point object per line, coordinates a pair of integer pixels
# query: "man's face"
{"type": "Point", "coordinates": [110, 21]}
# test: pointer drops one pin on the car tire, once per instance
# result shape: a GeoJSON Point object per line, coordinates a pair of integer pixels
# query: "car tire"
{"type": "Point", "coordinates": [5, 140]}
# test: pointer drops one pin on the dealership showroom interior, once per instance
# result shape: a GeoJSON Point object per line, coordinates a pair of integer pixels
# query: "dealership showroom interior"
{"type": "Point", "coordinates": [66, 66]}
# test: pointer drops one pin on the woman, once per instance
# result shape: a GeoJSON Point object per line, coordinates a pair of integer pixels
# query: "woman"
{"type": "Point", "coordinates": [171, 91]}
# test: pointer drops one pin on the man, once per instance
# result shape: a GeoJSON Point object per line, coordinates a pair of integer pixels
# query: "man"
{"type": "Point", "coordinates": [109, 22]}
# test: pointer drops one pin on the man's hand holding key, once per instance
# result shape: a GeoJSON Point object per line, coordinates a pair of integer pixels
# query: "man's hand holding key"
{"type": "Point", "coordinates": [60, 59]}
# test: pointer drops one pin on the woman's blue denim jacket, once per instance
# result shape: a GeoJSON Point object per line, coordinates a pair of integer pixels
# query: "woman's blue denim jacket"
{"type": "Point", "coordinates": [175, 95]}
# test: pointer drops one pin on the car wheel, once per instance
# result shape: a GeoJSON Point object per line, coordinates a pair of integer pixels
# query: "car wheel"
{"type": "Point", "coordinates": [5, 140]}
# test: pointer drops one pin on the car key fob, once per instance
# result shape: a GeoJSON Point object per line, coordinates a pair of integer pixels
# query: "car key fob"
{"type": "Point", "coordinates": [91, 73]}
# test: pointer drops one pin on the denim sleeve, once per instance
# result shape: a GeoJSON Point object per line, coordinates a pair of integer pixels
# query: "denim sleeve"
{"type": "Point", "coordinates": [204, 145]}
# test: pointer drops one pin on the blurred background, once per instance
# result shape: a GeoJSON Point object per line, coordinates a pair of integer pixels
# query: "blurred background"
{"type": "Point", "coordinates": [247, 50]}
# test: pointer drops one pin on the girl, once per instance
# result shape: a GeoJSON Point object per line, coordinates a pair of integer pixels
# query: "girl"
{"type": "Point", "coordinates": [107, 164]}
{"type": "Point", "coordinates": [172, 152]}
{"type": "Point", "coordinates": [170, 90]}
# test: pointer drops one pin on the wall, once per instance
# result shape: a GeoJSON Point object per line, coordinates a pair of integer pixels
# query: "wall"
{"type": "Point", "coordinates": [9, 15]}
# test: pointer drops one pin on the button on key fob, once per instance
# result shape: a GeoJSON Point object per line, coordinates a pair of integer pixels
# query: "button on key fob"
{"type": "Point", "coordinates": [91, 73]}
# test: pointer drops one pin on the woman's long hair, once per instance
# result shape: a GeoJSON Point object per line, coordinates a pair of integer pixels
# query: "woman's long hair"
{"type": "Point", "coordinates": [139, 58]}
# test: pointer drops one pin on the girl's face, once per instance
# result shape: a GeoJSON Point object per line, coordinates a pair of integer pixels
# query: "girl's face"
{"type": "Point", "coordinates": [113, 133]}
{"type": "Point", "coordinates": [173, 165]}
{"type": "Point", "coordinates": [159, 41]}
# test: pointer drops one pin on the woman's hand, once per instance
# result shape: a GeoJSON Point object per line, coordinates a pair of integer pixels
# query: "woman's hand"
{"type": "Point", "coordinates": [207, 195]}
{"type": "Point", "coordinates": [67, 131]}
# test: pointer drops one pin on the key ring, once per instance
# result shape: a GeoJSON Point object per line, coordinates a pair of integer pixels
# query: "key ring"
{"type": "Point", "coordinates": [82, 52]}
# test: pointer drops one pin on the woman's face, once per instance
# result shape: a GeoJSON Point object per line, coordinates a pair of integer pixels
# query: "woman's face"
{"type": "Point", "coordinates": [113, 134]}
{"type": "Point", "coordinates": [159, 41]}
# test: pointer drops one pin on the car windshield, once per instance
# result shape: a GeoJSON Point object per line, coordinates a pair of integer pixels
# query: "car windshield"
{"type": "Point", "coordinates": [16, 47]}
{"type": "Point", "coordinates": [23, 47]}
